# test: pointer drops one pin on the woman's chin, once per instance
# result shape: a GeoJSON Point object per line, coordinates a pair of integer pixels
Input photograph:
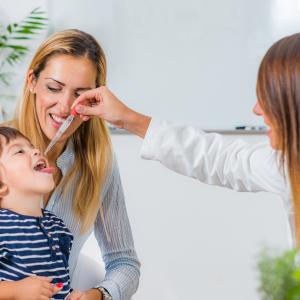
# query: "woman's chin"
{"type": "Point", "coordinates": [49, 134]}
{"type": "Point", "coordinates": [50, 129]}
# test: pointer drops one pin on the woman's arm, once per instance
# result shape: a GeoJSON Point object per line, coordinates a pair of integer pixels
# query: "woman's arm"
{"type": "Point", "coordinates": [115, 240]}
{"type": "Point", "coordinates": [211, 159]}
{"type": "Point", "coordinates": [136, 123]}
{"type": "Point", "coordinates": [111, 109]}
{"type": "Point", "coordinates": [188, 150]}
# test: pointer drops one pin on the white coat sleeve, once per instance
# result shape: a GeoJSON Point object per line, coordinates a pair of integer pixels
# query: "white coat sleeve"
{"type": "Point", "coordinates": [211, 159]}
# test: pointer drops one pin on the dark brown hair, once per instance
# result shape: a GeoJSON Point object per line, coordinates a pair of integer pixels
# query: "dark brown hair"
{"type": "Point", "coordinates": [9, 134]}
{"type": "Point", "coordinates": [278, 92]}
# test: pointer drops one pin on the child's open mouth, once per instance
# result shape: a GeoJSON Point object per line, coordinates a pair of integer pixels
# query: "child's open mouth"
{"type": "Point", "coordinates": [41, 166]}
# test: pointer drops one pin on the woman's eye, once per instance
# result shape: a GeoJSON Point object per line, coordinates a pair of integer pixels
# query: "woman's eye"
{"type": "Point", "coordinates": [52, 89]}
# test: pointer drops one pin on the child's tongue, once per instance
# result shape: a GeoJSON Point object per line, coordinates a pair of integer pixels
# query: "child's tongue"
{"type": "Point", "coordinates": [49, 170]}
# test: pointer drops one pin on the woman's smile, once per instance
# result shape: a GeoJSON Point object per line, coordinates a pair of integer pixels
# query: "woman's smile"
{"type": "Point", "coordinates": [56, 120]}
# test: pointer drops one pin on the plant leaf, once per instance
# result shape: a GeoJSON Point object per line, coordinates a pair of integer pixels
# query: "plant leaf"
{"type": "Point", "coordinates": [17, 47]}
{"type": "Point", "coordinates": [9, 28]}
{"type": "Point", "coordinates": [38, 18]}
{"type": "Point", "coordinates": [20, 38]}
{"type": "Point", "coordinates": [15, 33]}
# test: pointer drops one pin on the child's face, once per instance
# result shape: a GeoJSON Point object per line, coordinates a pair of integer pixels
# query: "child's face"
{"type": "Point", "coordinates": [23, 169]}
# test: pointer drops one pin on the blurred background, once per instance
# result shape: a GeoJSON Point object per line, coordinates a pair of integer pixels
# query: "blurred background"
{"type": "Point", "coordinates": [192, 62]}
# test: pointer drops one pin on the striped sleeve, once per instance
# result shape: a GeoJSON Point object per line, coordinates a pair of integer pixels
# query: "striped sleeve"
{"type": "Point", "coordinates": [115, 239]}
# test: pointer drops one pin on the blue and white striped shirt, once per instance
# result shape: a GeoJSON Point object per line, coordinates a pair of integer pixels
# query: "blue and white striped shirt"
{"type": "Point", "coordinates": [32, 246]}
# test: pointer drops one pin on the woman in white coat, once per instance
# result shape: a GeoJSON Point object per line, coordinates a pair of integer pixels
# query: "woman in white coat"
{"type": "Point", "coordinates": [272, 167]}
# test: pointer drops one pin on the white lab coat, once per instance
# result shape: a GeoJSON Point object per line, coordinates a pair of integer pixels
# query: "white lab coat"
{"type": "Point", "coordinates": [209, 158]}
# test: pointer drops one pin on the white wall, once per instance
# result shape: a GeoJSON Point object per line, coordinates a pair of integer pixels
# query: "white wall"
{"type": "Point", "coordinates": [194, 241]}
{"type": "Point", "coordinates": [181, 60]}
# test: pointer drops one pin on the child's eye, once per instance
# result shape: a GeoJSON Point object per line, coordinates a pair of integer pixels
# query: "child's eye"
{"type": "Point", "coordinates": [20, 151]}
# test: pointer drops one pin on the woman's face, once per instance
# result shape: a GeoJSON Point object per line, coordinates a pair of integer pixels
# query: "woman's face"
{"type": "Point", "coordinates": [62, 80]}
{"type": "Point", "coordinates": [257, 109]}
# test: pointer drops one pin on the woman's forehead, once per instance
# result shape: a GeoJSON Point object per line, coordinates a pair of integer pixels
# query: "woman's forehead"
{"type": "Point", "coordinates": [70, 70]}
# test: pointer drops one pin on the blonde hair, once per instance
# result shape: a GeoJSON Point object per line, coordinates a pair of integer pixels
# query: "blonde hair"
{"type": "Point", "coordinates": [92, 145]}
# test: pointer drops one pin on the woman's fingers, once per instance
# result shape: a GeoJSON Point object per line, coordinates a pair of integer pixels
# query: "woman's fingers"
{"type": "Point", "coordinates": [101, 103]}
{"type": "Point", "coordinates": [42, 278]}
{"type": "Point", "coordinates": [88, 104]}
{"type": "Point", "coordinates": [91, 96]}
{"type": "Point", "coordinates": [49, 289]}
{"type": "Point", "coordinates": [47, 292]}
{"type": "Point", "coordinates": [56, 288]}
{"type": "Point", "coordinates": [87, 110]}
{"type": "Point", "coordinates": [84, 118]}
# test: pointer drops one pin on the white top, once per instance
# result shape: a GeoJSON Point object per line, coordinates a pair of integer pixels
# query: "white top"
{"type": "Point", "coordinates": [211, 159]}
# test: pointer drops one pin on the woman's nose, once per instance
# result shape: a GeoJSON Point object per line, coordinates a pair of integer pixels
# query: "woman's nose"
{"type": "Point", "coordinates": [65, 105]}
{"type": "Point", "coordinates": [257, 109]}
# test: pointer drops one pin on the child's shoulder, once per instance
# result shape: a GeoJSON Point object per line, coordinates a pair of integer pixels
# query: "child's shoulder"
{"type": "Point", "coordinates": [6, 214]}
{"type": "Point", "coordinates": [12, 222]}
{"type": "Point", "coordinates": [50, 215]}
{"type": "Point", "coordinates": [56, 221]}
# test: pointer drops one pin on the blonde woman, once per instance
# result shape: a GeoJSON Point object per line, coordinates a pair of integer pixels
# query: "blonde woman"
{"type": "Point", "coordinates": [272, 167]}
{"type": "Point", "coordinates": [88, 194]}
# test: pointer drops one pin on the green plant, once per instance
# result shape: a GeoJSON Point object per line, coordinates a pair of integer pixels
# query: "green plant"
{"type": "Point", "coordinates": [13, 40]}
{"type": "Point", "coordinates": [279, 275]}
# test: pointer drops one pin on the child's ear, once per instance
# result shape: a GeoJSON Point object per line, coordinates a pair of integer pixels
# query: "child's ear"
{"type": "Point", "coordinates": [3, 189]}
{"type": "Point", "coordinates": [3, 186]}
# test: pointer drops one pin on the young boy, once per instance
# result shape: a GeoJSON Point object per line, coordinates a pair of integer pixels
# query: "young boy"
{"type": "Point", "coordinates": [34, 243]}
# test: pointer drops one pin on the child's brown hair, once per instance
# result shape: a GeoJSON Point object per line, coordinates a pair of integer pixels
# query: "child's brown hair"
{"type": "Point", "coordinates": [9, 133]}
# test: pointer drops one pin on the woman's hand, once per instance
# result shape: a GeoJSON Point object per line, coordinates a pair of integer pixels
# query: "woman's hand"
{"type": "Point", "coordinates": [34, 288]}
{"type": "Point", "coordinates": [102, 103]}
{"type": "Point", "coordinates": [92, 294]}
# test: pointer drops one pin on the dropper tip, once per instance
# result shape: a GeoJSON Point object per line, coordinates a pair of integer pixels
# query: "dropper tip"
{"type": "Point", "coordinates": [74, 112]}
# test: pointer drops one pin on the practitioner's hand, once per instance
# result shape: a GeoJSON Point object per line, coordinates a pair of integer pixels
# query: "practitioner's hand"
{"type": "Point", "coordinates": [35, 288]}
{"type": "Point", "coordinates": [92, 294]}
{"type": "Point", "coordinates": [102, 103]}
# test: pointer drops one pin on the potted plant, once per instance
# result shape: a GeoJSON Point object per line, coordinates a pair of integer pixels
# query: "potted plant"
{"type": "Point", "coordinates": [15, 41]}
{"type": "Point", "coordinates": [279, 275]}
